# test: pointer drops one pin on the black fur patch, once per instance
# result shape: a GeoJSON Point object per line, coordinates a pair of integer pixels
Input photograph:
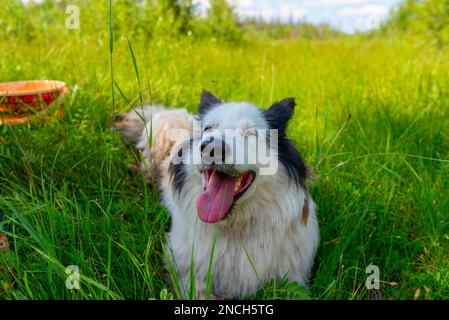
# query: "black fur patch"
{"type": "Point", "coordinates": [178, 174]}
{"type": "Point", "coordinates": [277, 117]}
{"type": "Point", "coordinates": [207, 102]}
{"type": "Point", "coordinates": [279, 114]}
{"type": "Point", "coordinates": [291, 158]}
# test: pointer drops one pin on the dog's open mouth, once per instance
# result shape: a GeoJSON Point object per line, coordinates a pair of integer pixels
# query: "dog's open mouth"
{"type": "Point", "coordinates": [221, 191]}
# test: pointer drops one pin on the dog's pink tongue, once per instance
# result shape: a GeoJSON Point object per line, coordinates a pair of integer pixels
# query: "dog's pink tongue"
{"type": "Point", "coordinates": [214, 203]}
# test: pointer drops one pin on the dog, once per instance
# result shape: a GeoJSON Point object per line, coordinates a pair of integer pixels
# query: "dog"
{"type": "Point", "coordinates": [231, 224]}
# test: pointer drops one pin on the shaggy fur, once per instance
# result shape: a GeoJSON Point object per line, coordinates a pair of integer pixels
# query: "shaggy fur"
{"type": "Point", "coordinates": [272, 231]}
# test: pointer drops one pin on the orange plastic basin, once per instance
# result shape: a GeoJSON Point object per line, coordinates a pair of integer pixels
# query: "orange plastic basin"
{"type": "Point", "coordinates": [20, 100]}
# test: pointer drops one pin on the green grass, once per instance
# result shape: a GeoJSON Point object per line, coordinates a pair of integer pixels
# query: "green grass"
{"type": "Point", "coordinates": [372, 120]}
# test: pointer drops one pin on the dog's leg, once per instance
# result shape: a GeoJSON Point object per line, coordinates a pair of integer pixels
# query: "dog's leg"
{"type": "Point", "coordinates": [151, 129]}
{"type": "Point", "coordinates": [132, 124]}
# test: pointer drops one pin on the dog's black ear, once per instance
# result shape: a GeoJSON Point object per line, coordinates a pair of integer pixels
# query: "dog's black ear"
{"type": "Point", "coordinates": [279, 113]}
{"type": "Point", "coordinates": [207, 101]}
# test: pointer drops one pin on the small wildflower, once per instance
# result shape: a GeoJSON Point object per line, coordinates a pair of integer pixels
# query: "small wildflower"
{"type": "Point", "coordinates": [393, 284]}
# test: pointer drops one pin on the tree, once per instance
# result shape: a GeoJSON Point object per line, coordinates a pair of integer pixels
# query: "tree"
{"type": "Point", "coordinates": [222, 21]}
{"type": "Point", "coordinates": [427, 18]}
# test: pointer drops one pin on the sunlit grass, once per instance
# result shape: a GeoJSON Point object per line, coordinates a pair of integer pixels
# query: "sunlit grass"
{"type": "Point", "coordinates": [372, 120]}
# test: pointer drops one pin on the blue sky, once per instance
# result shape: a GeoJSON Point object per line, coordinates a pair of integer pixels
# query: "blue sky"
{"type": "Point", "coordinates": [346, 15]}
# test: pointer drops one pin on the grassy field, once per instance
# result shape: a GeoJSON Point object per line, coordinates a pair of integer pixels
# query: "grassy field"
{"type": "Point", "coordinates": [372, 121]}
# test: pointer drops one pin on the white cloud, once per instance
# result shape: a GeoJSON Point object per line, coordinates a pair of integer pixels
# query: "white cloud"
{"type": "Point", "coordinates": [347, 15]}
{"type": "Point", "coordinates": [202, 3]}
{"type": "Point", "coordinates": [316, 3]}
{"type": "Point", "coordinates": [237, 3]}
{"type": "Point", "coordinates": [244, 3]}
{"type": "Point", "coordinates": [366, 10]}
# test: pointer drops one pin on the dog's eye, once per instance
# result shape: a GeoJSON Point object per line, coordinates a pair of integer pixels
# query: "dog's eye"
{"type": "Point", "coordinates": [250, 132]}
{"type": "Point", "coordinates": [207, 129]}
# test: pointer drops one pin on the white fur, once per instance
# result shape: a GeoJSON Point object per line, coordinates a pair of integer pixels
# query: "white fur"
{"type": "Point", "coordinates": [263, 239]}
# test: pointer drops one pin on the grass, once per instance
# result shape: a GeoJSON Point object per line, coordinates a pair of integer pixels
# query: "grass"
{"type": "Point", "coordinates": [372, 120]}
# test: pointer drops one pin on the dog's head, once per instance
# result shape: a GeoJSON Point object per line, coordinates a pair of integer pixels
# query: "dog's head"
{"type": "Point", "coordinates": [236, 141]}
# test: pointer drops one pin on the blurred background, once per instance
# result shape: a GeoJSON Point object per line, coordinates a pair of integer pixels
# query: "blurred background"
{"type": "Point", "coordinates": [370, 79]}
{"type": "Point", "coordinates": [228, 18]}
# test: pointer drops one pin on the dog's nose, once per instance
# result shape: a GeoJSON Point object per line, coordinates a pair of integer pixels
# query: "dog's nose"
{"type": "Point", "coordinates": [214, 145]}
{"type": "Point", "coordinates": [204, 144]}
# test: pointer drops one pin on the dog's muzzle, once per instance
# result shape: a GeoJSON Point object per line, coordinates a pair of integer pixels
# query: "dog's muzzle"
{"type": "Point", "coordinates": [214, 151]}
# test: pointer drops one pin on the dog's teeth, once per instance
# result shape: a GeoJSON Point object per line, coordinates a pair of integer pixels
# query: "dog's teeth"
{"type": "Point", "coordinates": [237, 184]}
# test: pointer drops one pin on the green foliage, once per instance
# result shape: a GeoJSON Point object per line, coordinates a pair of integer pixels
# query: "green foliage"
{"type": "Point", "coordinates": [147, 20]}
{"type": "Point", "coordinates": [221, 21]}
{"type": "Point", "coordinates": [140, 19]}
{"type": "Point", "coordinates": [69, 197]}
{"type": "Point", "coordinates": [426, 18]}
{"type": "Point", "coordinates": [280, 30]}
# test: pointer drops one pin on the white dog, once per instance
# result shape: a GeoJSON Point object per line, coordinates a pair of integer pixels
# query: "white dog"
{"type": "Point", "coordinates": [257, 227]}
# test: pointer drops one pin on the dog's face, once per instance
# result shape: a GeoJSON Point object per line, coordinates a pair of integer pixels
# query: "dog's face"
{"type": "Point", "coordinates": [233, 138]}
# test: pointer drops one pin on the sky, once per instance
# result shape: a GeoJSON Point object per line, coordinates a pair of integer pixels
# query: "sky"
{"type": "Point", "coordinates": [346, 15]}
